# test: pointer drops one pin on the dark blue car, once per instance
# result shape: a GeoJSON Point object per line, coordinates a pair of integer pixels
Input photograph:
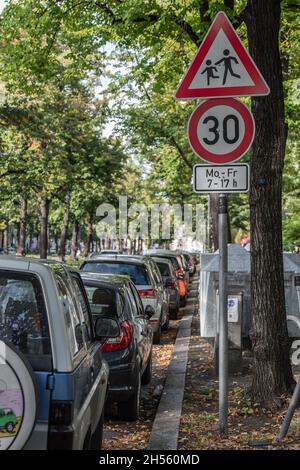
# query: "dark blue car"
{"type": "Point", "coordinates": [130, 355]}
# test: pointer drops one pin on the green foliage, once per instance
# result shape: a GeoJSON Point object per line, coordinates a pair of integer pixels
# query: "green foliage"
{"type": "Point", "coordinates": [52, 144]}
{"type": "Point", "coordinates": [52, 57]}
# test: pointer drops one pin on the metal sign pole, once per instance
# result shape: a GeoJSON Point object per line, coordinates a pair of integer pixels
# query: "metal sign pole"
{"type": "Point", "coordinates": [223, 325]}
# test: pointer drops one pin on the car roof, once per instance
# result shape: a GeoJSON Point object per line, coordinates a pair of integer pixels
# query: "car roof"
{"type": "Point", "coordinates": [161, 259]}
{"type": "Point", "coordinates": [112, 280]}
{"type": "Point", "coordinates": [134, 259]}
{"type": "Point", "coordinates": [28, 264]}
{"type": "Point", "coordinates": [162, 253]}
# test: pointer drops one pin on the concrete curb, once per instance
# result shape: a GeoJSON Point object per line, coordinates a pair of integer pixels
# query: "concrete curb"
{"type": "Point", "coordinates": [165, 430]}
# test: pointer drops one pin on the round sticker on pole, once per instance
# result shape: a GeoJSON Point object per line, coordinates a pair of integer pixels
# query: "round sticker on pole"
{"type": "Point", "coordinates": [18, 399]}
{"type": "Point", "coordinates": [221, 130]}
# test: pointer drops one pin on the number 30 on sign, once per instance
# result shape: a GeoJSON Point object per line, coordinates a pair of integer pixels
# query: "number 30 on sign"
{"type": "Point", "coordinates": [221, 130]}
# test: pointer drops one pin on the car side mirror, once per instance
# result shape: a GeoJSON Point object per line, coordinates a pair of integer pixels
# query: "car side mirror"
{"type": "Point", "coordinates": [106, 327]}
{"type": "Point", "coordinates": [149, 311]}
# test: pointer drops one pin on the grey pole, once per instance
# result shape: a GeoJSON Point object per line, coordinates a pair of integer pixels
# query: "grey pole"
{"type": "Point", "coordinates": [290, 413]}
{"type": "Point", "coordinates": [223, 325]}
{"type": "Point", "coordinates": [208, 226]}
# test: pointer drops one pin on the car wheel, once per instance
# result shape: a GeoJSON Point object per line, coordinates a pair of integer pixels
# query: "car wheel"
{"type": "Point", "coordinates": [157, 335]}
{"type": "Point", "coordinates": [10, 428]}
{"type": "Point", "coordinates": [147, 375]}
{"type": "Point", "coordinates": [130, 410]}
{"type": "Point", "coordinates": [97, 437]}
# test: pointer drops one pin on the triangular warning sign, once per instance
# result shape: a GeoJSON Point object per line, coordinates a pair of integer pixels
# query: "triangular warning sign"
{"type": "Point", "coordinates": [222, 67]}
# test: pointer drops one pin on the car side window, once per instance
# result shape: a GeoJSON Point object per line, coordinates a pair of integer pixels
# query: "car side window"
{"type": "Point", "coordinates": [137, 300]}
{"type": "Point", "coordinates": [132, 302]}
{"type": "Point", "coordinates": [164, 269]}
{"type": "Point", "coordinates": [72, 318]}
{"type": "Point", "coordinates": [175, 263]}
{"type": "Point", "coordinates": [120, 302]}
{"type": "Point", "coordinates": [84, 311]}
{"type": "Point", "coordinates": [156, 273]}
{"type": "Point", "coordinates": [172, 269]}
{"type": "Point", "coordinates": [23, 317]}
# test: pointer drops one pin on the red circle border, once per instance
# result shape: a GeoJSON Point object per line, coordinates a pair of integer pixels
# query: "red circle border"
{"type": "Point", "coordinates": [243, 147]}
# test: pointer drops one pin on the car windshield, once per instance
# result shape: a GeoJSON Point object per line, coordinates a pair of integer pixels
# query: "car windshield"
{"type": "Point", "coordinates": [23, 319]}
{"type": "Point", "coordinates": [137, 273]}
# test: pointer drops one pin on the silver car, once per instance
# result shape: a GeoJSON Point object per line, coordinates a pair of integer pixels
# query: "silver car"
{"type": "Point", "coordinates": [45, 314]}
{"type": "Point", "coordinates": [170, 280]}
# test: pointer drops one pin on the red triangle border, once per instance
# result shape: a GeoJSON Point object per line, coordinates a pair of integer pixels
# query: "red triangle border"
{"type": "Point", "coordinates": [260, 87]}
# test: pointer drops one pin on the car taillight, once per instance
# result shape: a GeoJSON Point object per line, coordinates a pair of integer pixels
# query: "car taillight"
{"type": "Point", "coordinates": [122, 341]}
{"type": "Point", "coordinates": [153, 320]}
{"type": "Point", "coordinates": [148, 293]}
{"type": "Point", "coordinates": [61, 432]}
{"type": "Point", "coordinates": [61, 413]}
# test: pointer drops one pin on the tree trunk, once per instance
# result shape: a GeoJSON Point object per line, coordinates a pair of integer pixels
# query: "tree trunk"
{"type": "Point", "coordinates": [6, 238]}
{"type": "Point", "coordinates": [63, 234]}
{"type": "Point", "coordinates": [74, 243]}
{"type": "Point", "coordinates": [22, 230]}
{"type": "Point", "coordinates": [56, 244]}
{"type": "Point", "coordinates": [30, 241]}
{"type": "Point", "coordinates": [89, 239]}
{"type": "Point", "coordinates": [44, 214]}
{"type": "Point", "coordinates": [272, 374]}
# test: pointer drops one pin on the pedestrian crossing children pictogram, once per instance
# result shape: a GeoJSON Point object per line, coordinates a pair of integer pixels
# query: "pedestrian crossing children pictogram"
{"type": "Point", "coordinates": [222, 67]}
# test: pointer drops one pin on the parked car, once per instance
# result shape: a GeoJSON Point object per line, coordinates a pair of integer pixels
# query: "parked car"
{"type": "Point", "coordinates": [186, 267]}
{"type": "Point", "coordinates": [111, 252]}
{"type": "Point", "coordinates": [130, 355]}
{"type": "Point", "coordinates": [196, 255]}
{"type": "Point", "coordinates": [190, 262]}
{"type": "Point", "coordinates": [8, 420]}
{"type": "Point", "coordinates": [1, 251]}
{"type": "Point", "coordinates": [11, 250]}
{"type": "Point", "coordinates": [170, 280]}
{"type": "Point", "coordinates": [147, 279]}
{"type": "Point", "coordinates": [179, 270]}
{"type": "Point", "coordinates": [45, 314]}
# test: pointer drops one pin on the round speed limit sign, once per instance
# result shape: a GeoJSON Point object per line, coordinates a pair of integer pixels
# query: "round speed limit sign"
{"type": "Point", "coordinates": [221, 130]}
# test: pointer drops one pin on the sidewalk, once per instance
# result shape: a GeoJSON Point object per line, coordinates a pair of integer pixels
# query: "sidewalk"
{"type": "Point", "coordinates": [165, 430]}
{"type": "Point", "coordinates": [187, 415]}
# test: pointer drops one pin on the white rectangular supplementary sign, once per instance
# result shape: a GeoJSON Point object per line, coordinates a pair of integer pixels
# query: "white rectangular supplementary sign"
{"type": "Point", "coordinates": [221, 178]}
{"type": "Point", "coordinates": [233, 309]}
